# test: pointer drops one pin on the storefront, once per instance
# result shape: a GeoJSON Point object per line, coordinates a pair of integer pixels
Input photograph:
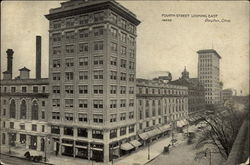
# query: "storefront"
{"type": "Point", "coordinates": [114, 150]}
{"type": "Point", "coordinates": [126, 148]}
{"type": "Point", "coordinates": [165, 129]}
{"type": "Point", "coordinates": [97, 151]}
{"type": "Point", "coordinates": [81, 149]}
{"type": "Point", "coordinates": [67, 147]}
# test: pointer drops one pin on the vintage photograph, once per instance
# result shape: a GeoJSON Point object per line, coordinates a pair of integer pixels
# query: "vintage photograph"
{"type": "Point", "coordinates": [124, 82]}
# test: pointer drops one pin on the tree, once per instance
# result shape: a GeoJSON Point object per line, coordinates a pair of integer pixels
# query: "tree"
{"type": "Point", "coordinates": [220, 132]}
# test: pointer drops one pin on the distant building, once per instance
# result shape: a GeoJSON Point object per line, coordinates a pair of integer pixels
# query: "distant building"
{"type": "Point", "coordinates": [196, 93]}
{"type": "Point", "coordinates": [92, 78]}
{"type": "Point", "coordinates": [159, 105]}
{"type": "Point", "coordinates": [227, 95]}
{"type": "Point", "coordinates": [209, 74]}
{"type": "Point", "coordinates": [24, 104]}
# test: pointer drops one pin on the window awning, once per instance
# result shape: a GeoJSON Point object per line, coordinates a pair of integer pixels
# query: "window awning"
{"type": "Point", "coordinates": [126, 146]}
{"type": "Point", "coordinates": [144, 136]}
{"type": "Point", "coordinates": [135, 143]}
{"type": "Point", "coordinates": [165, 128]}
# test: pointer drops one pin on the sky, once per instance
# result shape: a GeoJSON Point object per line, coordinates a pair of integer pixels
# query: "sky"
{"type": "Point", "coordinates": [161, 45]}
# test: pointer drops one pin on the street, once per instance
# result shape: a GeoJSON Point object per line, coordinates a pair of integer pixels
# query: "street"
{"type": "Point", "coordinates": [13, 160]}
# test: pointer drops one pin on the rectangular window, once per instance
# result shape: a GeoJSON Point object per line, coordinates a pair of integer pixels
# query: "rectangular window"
{"type": "Point", "coordinates": [98, 31]}
{"type": "Point", "coordinates": [83, 103]}
{"type": "Point", "coordinates": [56, 76]}
{"type": "Point", "coordinates": [123, 116]}
{"type": "Point", "coordinates": [70, 49]}
{"type": "Point", "coordinates": [113, 103]}
{"type": "Point", "coordinates": [83, 75]}
{"type": "Point", "coordinates": [123, 77]}
{"type": "Point", "coordinates": [131, 77]}
{"type": "Point", "coordinates": [132, 41]}
{"type": "Point", "coordinates": [98, 16]}
{"type": "Point", "coordinates": [35, 89]}
{"type": "Point", "coordinates": [83, 89]}
{"type": "Point", "coordinates": [83, 48]}
{"type": "Point", "coordinates": [43, 114]}
{"type": "Point", "coordinates": [69, 103]}
{"type": "Point", "coordinates": [34, 127]}
{"type": "Point", "coordinates": [56, 50]}
{"type": "Point", "coordinates": [114, 47]}
{"type": "Point", "coordinates": [113, 61]}
{"type": "Point", "coordinates": [11, 125]}
{"type": "Point", "coordinates": [113, 75]}
{"type": "Point", "coordinates": [69, 76]}
{"type": "Point", "coordinates": [98, 118]}
{"type": "Point", "coordinates": [113, 133]}
{"type": "Point", "coordinates": [131, 103]}
{"type": "Point", "coordinates": [56, 24]}
{"type": "Point", "coordinates": [131, 90]}
{"type": "Point", "coordinates": [131, 115]}
{"type": "Point", "coordinates": [22, 126]}
{"type": "Point", "coordinates": [69, 62]}
{"type": "Point", "coordinates": [56, 115]}
{"type": "Point", "coordinates": [24, 89]}
{"type": "Point", "coordinates": [83, 33]}
{"type": "Point", "coordinates": [113, 118]}
{"type": "Point", "coordinates": [98, 89]}
{"type": "Point", "coordinates": [123, 51]}
{"type": "Point", "coordinates": [70, 36]}
{"type": "Point", "coordinates": [43, 103]}
{"type": "Point", "coordinates": [69, 131]}
{"type": "Point", "coordinates": [56, 102]}
{"type": "Point", "coordinates": [123, 103]}
{"type": "Point", "coordinates": [55, 129]}
{"type": "Point", "coordinates": [98, 74]}
{"type": "Point", "coordinates": [83, 61]}
{"type": "Point", "coordinates": [69, 89]}
{"type": "Point", "coordinates": [98, 45]}
{"type": "Point", "coordinates": [123, 90]}
{"type": "Point", "coordinates": [43, 128]}
{"type": "Point", "coordinates": [98, 104]}
{"type": "Point", "coordinates": [131, 128]}
{"type": "Point", "coordinates": [113, 89]}
{"type": "Point", "coordinates": [84, 19]}
{"type": "Point", "coordinates": [113, 18]}
{"type": "Point", "coordinates": [56, 37]}
{"type": "Point", "coordinates": [123, 63]}
{"type": "Point", "coordinates": [131, 65]}
{"type": "Point", "coordinates": [114, 32]}
{"type": "Point", "coordinates": [123, 23]}
{"type": "Point", "coordinates": [98, 60]}
{"type": "Point", "coordinates": [68, 116]}
{"type": "Point", "coordinates": [70, 22]}
{"type": "Point", "coordinates": [123, 131]}
{"type": "Point", "coordinates": [132, 53]}
{"type": "Point", "coordinates": [123, 37]}
{"type": "Point", "coordinates": [82, 117]}
{"type": "Point", "coordinates": [56, 89]}
{"type": "Point", "coordinates": [97, 134]}
{"type": "Point", "coordinates": [82, 132]}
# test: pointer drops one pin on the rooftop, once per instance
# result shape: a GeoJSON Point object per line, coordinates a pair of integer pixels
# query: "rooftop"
{"type": "Point", "coordinates": [209, 51]}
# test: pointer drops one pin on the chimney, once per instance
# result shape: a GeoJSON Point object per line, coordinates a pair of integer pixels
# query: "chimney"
{"type": "Point", "coordinates": [38, 57]}
{"type": "Point", "coordinates": [7, 75]}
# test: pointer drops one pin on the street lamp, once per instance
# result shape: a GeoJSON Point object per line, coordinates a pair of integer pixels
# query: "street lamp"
{"type": "Point", "coordinates": [148, 149]}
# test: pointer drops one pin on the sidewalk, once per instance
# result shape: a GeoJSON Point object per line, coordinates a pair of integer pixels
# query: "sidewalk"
{"type": "Point", "coordinates": [139, 157]}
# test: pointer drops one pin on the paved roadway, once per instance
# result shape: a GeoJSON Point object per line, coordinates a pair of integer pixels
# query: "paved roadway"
{"type": "Point", "coordinates": [13, 160]}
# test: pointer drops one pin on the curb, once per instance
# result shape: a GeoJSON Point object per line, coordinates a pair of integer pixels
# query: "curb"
{"type": "Point", "coordinates": [25, 159]}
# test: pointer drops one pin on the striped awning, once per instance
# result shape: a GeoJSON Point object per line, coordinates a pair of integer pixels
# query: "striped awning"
{"type": "Point", "coordinates": [126, 146]}
{"type": "Point", "coordinates": [135, 143]}
{"type": "Point", "coordinates": [165, 128]}
{"type": "Point", "coordinates": [144, 136]}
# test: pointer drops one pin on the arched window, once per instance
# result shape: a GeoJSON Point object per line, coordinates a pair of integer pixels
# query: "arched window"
{"type": "Point", "coordinates": [12, 109]}
{"type": "Point", "coordinates": [23, 110]}
{"type": "Point", "coordinates": [34, 110]}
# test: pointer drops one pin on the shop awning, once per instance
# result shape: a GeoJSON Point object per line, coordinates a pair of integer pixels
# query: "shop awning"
{"type": "Point", "coordinates": [135, 143]}
{"type": "Point", "coordinates": [144, 136]}
{"type": "Point", "coordinates": [126, 146]}
{"type": "Point", "coordinates": [165, 128]}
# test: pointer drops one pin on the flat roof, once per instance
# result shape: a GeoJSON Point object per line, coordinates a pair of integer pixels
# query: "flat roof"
{"type": "Point", "coordinates": [209, 51]}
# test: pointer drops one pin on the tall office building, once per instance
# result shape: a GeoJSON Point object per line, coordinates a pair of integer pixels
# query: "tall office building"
{"type": "Point", "coordinates": [209, 74]}
{"type": "Point", "coordinates": [92, 57]}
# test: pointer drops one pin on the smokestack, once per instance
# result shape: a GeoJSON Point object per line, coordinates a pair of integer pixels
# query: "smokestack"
{"type": "Point", "coordinates": [8, 73]}
{"type": "Point", "coordinates": [38, 57]}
